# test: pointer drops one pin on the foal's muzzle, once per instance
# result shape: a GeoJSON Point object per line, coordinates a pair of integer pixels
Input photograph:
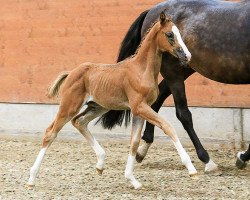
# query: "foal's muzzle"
{"type": "Point", "coordinates": [180, 54]}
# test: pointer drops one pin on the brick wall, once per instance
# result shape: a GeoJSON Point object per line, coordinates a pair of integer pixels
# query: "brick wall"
{"type": "Point", "coordinates": [41, 38]}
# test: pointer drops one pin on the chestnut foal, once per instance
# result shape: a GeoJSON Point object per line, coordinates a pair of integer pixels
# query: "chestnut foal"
{"type": "Point", "coordinates": [130, 84]}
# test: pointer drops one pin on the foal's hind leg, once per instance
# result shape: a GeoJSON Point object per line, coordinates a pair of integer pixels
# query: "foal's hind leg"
{"type": "Point", "coordinates": [147, 113]}
{"type": "Point", "coordinates": [69, 107]}
{"type": "Point", "coordinates": [137, 125]}
{"type": "Point", "coordinates": [81, 123]}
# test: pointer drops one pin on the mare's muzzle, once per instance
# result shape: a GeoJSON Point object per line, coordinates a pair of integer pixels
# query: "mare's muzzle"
{"type": "Point", "coordinates": [180, 54]}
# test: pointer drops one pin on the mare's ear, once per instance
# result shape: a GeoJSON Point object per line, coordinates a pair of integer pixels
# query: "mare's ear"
{"type": "Point", "coordinates": [162, 17]}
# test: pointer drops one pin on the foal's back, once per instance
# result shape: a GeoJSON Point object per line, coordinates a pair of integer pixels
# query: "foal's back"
{"type": "Point", "coordinates": [106, 83]}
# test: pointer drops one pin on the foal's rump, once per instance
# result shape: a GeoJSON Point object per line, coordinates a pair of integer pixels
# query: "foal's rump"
{"type": "Point", "coordinates": [104, 84]}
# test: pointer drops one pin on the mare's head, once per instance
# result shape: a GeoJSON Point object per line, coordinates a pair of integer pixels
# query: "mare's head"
{"type": "Point", "coordinates": [169, 40]}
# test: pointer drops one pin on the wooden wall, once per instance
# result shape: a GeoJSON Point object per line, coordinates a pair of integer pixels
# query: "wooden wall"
{"type": "Point", "coordinates": [41, 38]}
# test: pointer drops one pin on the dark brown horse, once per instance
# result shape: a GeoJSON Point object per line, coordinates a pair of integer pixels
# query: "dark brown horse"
{"type": "Point", "coordinates": [218, 35]}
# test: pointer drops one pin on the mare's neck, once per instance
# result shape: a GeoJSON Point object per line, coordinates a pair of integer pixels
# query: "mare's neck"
{"type": "Point", "coordinates": [148, 55]}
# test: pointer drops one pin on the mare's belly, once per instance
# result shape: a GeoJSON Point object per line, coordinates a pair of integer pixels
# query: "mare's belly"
{"type": "Point", "coordinates": [230, 71]}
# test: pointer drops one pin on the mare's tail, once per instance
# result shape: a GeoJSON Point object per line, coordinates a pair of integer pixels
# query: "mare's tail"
{"type": "Point", "coordinates": [128, 47]}
{"type": "Point", "coordinates": [55, 86]}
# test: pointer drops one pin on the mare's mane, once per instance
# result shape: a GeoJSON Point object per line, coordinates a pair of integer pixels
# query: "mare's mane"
{"type": "Point", "coordinates": [142, 40]}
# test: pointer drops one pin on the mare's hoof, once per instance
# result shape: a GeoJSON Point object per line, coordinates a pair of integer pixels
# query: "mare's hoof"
{"type": "Point", "coordinates": [214, 171]}
{"type": "Point", "coordinates": [139, 158]}
{"type": "Point", "coordinates": [99, 171]}
{"type": "Point", "coordinates": [240, 164]}
{"type": "Point", "coordinates": [29, 186]}
{"type": "Point", "coordinates": [211, 167]}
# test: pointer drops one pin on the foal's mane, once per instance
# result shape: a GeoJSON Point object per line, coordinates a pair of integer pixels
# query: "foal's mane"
{"type": "Point", "coordinates": [149, 29]}
{"type": "Point", "coordinates": [146, 33]}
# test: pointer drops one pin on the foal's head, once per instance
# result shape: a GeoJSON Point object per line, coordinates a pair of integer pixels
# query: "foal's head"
{"type": "Point", "coordinates": [169, 40]}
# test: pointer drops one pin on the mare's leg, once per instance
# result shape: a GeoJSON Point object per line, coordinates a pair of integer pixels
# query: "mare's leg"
{"type": "Point", "coordinates": [174, 77]}
{"type": "Point", "coordinates": [137, 125]}
{"type": "Point", "coordinates": [242, 158]}
{"type": "Point", "coordinates": [69, 107]}
{"type": "Point", "coordinates": [176, 74]}
{"type": "Point", "coordinates": [147, 113]}
{"type": "Point", "coordinates": [81, 123]}
{"type": "Point", "coordinates": [185, 117]}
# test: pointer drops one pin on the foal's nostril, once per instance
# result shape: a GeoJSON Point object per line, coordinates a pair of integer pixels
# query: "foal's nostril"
{"type": "Point", "coordinates": [180, 50]}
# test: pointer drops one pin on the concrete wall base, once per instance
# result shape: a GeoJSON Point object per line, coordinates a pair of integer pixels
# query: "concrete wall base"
{"type": "Point", "coordinates": [231, 125]}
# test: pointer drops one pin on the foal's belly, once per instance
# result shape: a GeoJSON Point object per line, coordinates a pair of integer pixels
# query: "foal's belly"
{"type": "Point", "coordinates": [117, 99]}
{"type": "Point", "coordinates": [109, 92]}
{"type": "Point", "coordinates": [111, 102]}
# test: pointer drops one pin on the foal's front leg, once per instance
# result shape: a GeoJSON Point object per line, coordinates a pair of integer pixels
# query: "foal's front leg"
{"type": "Point", "coordinates": [137, 125]}
{"type": "Point", "coordinates": [148, 135]}
{"type": "Point", "coordinates": [147, 113]}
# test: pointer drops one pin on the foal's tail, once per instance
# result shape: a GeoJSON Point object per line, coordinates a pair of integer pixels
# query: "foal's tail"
{"type": "Point", "coordinates": [129, 46]}
{"type": "Point", "coordinates": [55, 86]}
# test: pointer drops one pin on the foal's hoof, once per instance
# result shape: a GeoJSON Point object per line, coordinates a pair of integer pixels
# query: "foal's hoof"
{"type": "Point", "coordinates": [99, 171]}
{"type": "Point", "coordinates": [139, 158]}
{"type": "Point", "coordinates": [29, 186]}
{"type": "Point", "coordinates": [193, 173]}
{"type": "Point", "coordinates": [137, 185]}
{"type": "Point", "coordinates": [240, 164]}
{"type": "Point", "coordinates": [194, 176]}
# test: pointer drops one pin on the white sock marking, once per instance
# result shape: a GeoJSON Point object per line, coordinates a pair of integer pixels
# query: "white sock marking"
{"type": "Point", "coordinates": [239, 154]}
{"type": "Point", "coordinates": [35, 168]}
{"type": "Point", "coordinates": [184, 47]}
{"type": "Point", "coordinates": [129, 172]}
{"type": "Point", "coordinates": [100, 153]}
{"type": "Point", "coordinates": [185, 158]}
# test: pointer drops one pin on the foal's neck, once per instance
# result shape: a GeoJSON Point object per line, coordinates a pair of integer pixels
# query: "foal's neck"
{"type": "Point", "coordinates": [148, 55]}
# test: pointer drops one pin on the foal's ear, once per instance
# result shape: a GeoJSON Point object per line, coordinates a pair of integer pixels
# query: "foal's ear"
{"type": "Point", "coordinates": [162, 17]}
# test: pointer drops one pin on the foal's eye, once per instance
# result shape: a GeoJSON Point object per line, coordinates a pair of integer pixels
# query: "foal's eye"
{"type": "Point", "coordinates": [170, 37]}
{"type": "Point", "coordinates": [169, 34]}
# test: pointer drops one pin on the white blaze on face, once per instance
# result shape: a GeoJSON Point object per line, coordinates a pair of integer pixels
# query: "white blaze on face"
{"type": "Point", "coordinates": [179, 39]}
